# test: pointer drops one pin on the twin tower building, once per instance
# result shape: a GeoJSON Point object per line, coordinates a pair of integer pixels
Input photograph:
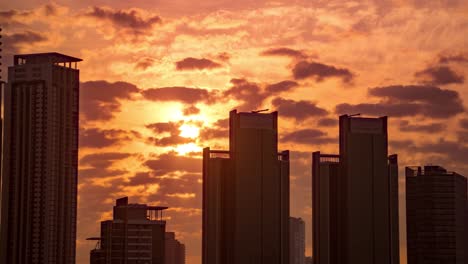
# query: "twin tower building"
{"type": "Point", "coordinates": [246, 196]}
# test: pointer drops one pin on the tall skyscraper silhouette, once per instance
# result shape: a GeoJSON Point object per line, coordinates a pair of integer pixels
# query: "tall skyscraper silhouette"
{"type": "Point", "coordinates": [175, 251]}
{"type": "Point", "coordinates": [135, 235]}
{"type": "Point", "coordinates": [296, 241]}
{"type": "Point", "coordinates": [39, 185]}
{"type": "Point", "coordinates": [436, 216]}
{"type": "Point", "coordinates": [246, 195]}
{"type": "Point", "coordinates": [355, 197]}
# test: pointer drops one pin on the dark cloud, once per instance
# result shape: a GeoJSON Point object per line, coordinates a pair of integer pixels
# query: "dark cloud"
{"type": "Point", "coordinates": [170, 140]}
{"type": "Point", "coordinates": [14, 41]}
{"type": "Point", "coordinates": [284, 52]}
{"type": "Point", "coordinates": [170, 162]}
{"type": "Point", "coordinates": [224, 56]}
{"type": "Point", "coordinates": [219, 130]}
{"type": "Point", "coordinates": [320, 72]}
{"type": "Point", "coordinates": [179, 94]}
{"type": "Point", "coordinates": [191, 110]}
{"type": "Point", "coordinates": [249, 93]}
{"type": "Point", "coordinates": [144, 63]}
{"type": "Point", "coordinates": [280, 87]}
{"type": "Point", "coordinates": [196, 64]}
{"type": "Point", "coordinates": [99, 100]}
{"type": "Point", "coordinates": [308, 136]}
{"type": "Point", "coordinates": [172, 128]}
{"type": "Point", "coordinates": [460, 58]}
{"type": "Point", "coordinates": [100, 138]}
{"type": "Point", "coordinates": [13, 13]}
{"type": "Point", "coordinates": [464, 123]}
{"type": "Point", "coordinates": [299, 110]}
{"type": "Point", "coordinates": [409, 100]}
{"type": "Point", "coordinates": [462, 137]}
{"type": "Point", "coordinates": [125, 19]}
{"type": "Point", "coordinates": [161, 127]}
{"type": "Point", "coordinates": [328, 122]}
{"type": "Point", "coordinates": [440, 75]}
{"type": "Point", "coordinates": [104, 159]}
{"type": "Point", "coordinates": [405, 126]}
{"type": "Point", "coordinates": [98, 165]}
{"type": "Point", "coordinates": [448, 151]}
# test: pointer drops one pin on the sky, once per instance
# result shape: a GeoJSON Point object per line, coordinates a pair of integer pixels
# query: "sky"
{"type": "Point", "coordinates": [159, 77]}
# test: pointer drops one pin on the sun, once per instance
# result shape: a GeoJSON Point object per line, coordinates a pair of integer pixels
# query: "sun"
{"type": "Point", "coordinates": [189, 131]}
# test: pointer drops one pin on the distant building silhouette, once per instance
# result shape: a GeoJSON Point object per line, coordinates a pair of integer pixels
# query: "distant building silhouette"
{"type": "Point", "coordinates": [246, 195]}
{"type": "Point", "coordinates": [436, 216]}
{"type": "Point", "coordinates": [175, 251]}
{"type": "Point", "coordinates": [355, 197]}
{"type": "Point", "coordinates": [296, 241]}
{"type": "Point", "coordinates": [135, 235]}
{"type": "Point", "coordinates": [40, 157]}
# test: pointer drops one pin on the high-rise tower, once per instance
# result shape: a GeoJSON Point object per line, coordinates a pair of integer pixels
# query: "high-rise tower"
{"type": "Point", "coordinates": [40, 154]}
{"type": "Point", "coordinates": [246, 195]}
{"type": "Point", "coordinates": [436, 216]}
{"type": "Point", "coordinates": [355, 197]}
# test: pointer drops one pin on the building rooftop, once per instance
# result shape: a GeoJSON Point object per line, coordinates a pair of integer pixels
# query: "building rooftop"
{"type": "Point", "coordinates": [50, 57]}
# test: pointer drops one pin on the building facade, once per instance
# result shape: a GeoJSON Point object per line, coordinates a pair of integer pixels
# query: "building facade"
{"type": "Point", "coordinates": [175, 251]}
{"type": "Point", "coordinates": [136, 235]}
{"type": "Point", "coordinates": [296, 241]}
{"type": "Point", "coordinates": [246, 195]}
{"type": "Point", "coordinates": [355, 197]}
{"type": "Point", "coordinates": [40, 157]}
{"type": "Point", "coordinates": [436, 216]}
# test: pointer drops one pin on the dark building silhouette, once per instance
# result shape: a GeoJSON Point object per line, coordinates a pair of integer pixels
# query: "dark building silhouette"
{"type": "Point", "coordinates": [355, 197]}
{"type": "Point", "coordinates": [246, 195]}
{"type": "Point", "coordinates": [136, 235]}
{"type": "Point", "coordinates": [40, 157]}
{"type": "Point", "coordinates": [296, 241]}
{"type": "Point", "coordinates": [436, 216]}
{"type": "Point", "coordinates": [175, 251]}
{"type": "Point", "coordinates": [309, 260]}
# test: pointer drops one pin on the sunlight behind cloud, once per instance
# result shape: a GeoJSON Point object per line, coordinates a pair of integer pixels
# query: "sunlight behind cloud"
{"type": "Point", "coordinates": [187, 148]}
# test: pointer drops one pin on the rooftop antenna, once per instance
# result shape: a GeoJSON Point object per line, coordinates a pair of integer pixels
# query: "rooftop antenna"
{"type": "Point", "coordinates": [358, 114]}
{"type": "Point", "coordinates": [259, 111]}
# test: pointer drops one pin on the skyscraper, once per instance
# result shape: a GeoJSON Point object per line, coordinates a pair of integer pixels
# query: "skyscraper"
{"type": "Point", "coordinates": [135, 235]}
{"type": "Point", "coordinates": [296, 241]}
{"type": "Point", "coordinates": [355, 197]}
{"type": "Point", "coordinates": [175, 251]}
{"type": "Point", "coordinates": [436, 216]}
{"type": "Point", "coordinates": [39, 185]}
{"type": "Point", "coordinates": [246, 195]}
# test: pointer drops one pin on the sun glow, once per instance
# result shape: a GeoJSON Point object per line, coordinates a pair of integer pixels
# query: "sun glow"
{"type": "Point", "coordinates": [189, 131]}
{"type": "Point", "coordinates": [187, 148]}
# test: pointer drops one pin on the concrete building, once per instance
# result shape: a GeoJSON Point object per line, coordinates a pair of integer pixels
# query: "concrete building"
{"type": "Point", "coordinates": [136, 235]}
{"type": "Point", "coordinates": [355, 197]}
{"type": "Point", "coordinates": [246, 195]}
{"type": "Point", "coordinates": [436, 216]}
{"type": "Point", "coordinates": [40, 157]}
{"type": "Point", "coordinates": [175, 251]}
{"type": "Point", "coordinates": [296, 241]}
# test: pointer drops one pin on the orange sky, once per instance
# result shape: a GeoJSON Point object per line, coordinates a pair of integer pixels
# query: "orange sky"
{"type": "Point", "coordinates": [159, 78]}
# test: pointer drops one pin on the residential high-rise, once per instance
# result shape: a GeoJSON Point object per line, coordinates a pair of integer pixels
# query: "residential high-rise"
{"type": "Point", "coordinates": [40, 157]}
{"type": "Point", "coordinates": [296, 241]}
{"type": "Point", "coordinates": [175, 251]}
{"type": "Point", "coordinates": [436, 216]}
{"type": "Point", "coordinates": [135, 235]}
{"type": "Point", "coordinates": [246, 195]}
{"type": "Point", "coordinates": [355, 197]}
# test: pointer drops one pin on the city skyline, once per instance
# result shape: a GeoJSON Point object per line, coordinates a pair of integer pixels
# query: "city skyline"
{"type": "Point", "coordinates": [158, 79]}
